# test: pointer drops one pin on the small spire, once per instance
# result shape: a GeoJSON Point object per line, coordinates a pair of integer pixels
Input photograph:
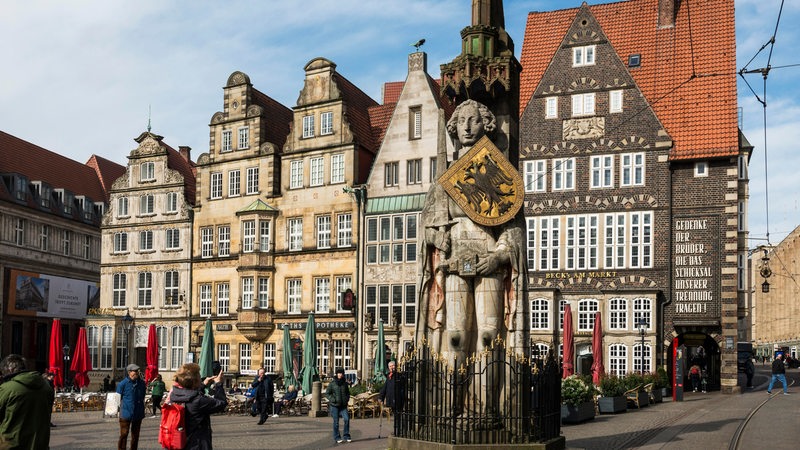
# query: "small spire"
{"type": "Point", "coordinates": [149, 113]}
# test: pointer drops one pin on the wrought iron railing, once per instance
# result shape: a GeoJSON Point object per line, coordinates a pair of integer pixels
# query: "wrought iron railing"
{"type": "Point", "coordinates": [495, 397]}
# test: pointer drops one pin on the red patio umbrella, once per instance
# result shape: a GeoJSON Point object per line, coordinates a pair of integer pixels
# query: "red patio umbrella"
{"type": "Point", "coordinates": [569, 350]}
{"type": "Point", "coordinates": [597, 350]}
{"type": "Point", "coordinates": [55, 359]}
{"type": "Point", "coordinates": [81, 361]}
{"type": "Point", "coordinates": [151, 371]}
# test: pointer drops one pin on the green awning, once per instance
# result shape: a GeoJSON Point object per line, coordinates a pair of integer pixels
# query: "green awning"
{"type": "Point", "coordinates": [395, 204]}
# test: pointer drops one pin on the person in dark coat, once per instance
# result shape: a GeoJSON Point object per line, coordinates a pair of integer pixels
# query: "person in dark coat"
{"type": "Point", "coordinates": [265, 393]}
{"type": "Point", "coordinates": [338, 394]}
{"type": "Point", "coordinates": [778, 374]}
{"type": "Point", "coordinates": [188, 390]}
{"type": "Point", "coordinates": [392, 393]}
{"type": "Point", "coordinates": [25, 406]}
{"type": "Point", "coordinates": [131, 407]}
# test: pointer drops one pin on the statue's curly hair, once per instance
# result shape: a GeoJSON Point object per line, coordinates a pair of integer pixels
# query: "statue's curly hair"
{"type": "Point", "coordinates": [489, 122]}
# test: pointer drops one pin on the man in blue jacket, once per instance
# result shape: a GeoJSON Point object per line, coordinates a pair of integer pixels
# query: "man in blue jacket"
{"type": "Point", "coordinates": [131, 390]}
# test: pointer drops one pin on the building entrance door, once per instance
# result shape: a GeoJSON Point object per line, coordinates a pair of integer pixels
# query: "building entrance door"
{"type": "Point", "coordinates": [702, 350]}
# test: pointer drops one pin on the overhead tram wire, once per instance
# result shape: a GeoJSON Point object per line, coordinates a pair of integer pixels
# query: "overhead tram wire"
{"type": "Point", "coordinates": [764, 71]}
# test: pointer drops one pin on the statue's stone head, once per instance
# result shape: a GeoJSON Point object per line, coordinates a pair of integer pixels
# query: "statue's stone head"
{"type": "Point", "coordinates": [470, 122]}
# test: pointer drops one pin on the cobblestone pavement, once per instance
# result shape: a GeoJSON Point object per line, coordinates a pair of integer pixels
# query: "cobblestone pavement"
{"type": "Point", "coordinates": [701, 421]}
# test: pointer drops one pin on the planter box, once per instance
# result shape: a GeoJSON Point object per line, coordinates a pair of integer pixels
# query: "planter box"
{"type": "Point", "coordinates": [577, 414]}
{"type": "Point", "coordinates": [658, 396]}
{"type": "Point", "coordinates": [644, 400]}
{"type": "Point", "coordinates": [612, 405]}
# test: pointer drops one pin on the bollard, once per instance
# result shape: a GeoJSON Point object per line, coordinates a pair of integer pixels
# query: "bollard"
{"type": "Point", "coordinates": [316, 401]}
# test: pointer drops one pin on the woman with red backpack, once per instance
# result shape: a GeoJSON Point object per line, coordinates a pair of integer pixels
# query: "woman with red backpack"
{"type": "Point", "coordinates": [188, 392]}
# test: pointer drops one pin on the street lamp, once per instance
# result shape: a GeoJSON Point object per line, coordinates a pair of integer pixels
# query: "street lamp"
{"type": "Point", "coordinates": [127, 323]}
{"type": "Point", "coordinates": [65, 349]}
{"type": "Point", "coordinates": [642, 326]}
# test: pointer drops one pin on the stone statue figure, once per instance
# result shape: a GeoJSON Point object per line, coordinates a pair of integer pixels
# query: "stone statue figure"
{"type": "Point", "coordinates": [472, 274]}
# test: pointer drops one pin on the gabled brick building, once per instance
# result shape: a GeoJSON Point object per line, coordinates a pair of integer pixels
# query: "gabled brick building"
{"type": "Point", "coordinates": [636, 181]}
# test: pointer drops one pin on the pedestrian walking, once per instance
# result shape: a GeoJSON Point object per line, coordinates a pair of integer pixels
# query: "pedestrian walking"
{"type": "Point", "coordinates": [694, 374]}
{"type": "Point", "coordinates": [25, 406]}
{"type": "Point", "coordinates": [131, 411]}
{"type": "Point", "coordinates": [189, 391]}
{"type": "Point", "coordinates": [392, 394]}
{"type": "Point", "coordinates": [158, 388]}
{"type": "Point", "coordinates": [749, 370]}
{"type": "Point", "coordinates": [338, 394]}
{"type": "Point", "coordinates": [779, 374]}
{"type": "Point", "coordinates": [265, 393]}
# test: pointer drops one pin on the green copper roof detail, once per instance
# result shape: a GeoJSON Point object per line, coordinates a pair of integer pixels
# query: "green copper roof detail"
{"type": "Point", "coordinates": [395, 204]}
{"type": "Point", "coordinates": [257, 205]}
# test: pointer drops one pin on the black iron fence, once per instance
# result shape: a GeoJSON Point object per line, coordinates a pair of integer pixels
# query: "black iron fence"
{"type": "Point", "coordinates": [495, 397]}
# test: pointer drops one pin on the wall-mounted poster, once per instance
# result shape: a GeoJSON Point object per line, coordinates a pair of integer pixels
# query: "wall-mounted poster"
{"type": "Point", "coordinates": [34, 294]}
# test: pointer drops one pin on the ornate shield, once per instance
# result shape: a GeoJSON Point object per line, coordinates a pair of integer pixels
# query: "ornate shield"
{"type": "Point", "coordinates": [484, 184]}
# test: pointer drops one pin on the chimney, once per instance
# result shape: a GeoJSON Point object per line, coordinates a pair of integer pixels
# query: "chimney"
{"type": "Point", "coordinates": [666, 13]}
{"type": "Point", "coordinates": [186, 152]}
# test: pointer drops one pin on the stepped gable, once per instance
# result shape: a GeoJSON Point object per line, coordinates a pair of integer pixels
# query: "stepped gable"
{"type": "Point", "coordinates": [60, 172]}
{"type": "Point", "coordinates": [687, 71]}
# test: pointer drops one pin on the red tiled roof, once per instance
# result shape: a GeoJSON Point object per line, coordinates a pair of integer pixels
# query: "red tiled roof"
{"type": "Point", "coordinates": [379, 118]}
{"type": "Point", "coordinates": [687, 74]}
{"type": "Point", "coordinates": [392, 91]}
{"type": "Point", "coordinates": [60, 172]}
{"type": "Point", "coordinates": [357, 105]}
{"type": "Point", "coordinates": [175, 161]}
{"type": "Point", "coordinates": [107, 172]}
{"type": "Point", "coordinates": [276, 116]}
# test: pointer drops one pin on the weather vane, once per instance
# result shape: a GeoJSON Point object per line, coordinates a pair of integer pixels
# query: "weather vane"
{"type": "Point", "coordinates": [418, 44]}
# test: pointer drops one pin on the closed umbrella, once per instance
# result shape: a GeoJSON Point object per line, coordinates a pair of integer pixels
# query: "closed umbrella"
{"type": "Point", "coordinates": [55, 359]}
{"type": "Point", "coordinates": [288, 375]}
{"type": "Point", "coordinates": [380, 356]}
{"type": "Point", "coordinates": [309, 374]}
{"type": "Point", "coordinates": [569, 367]}
{"type": "Point", "coordinates": [598, 370]}
{"type": "Point", "coordinates": [207, 352]}
{"type": "Point", "coordinates": [151, 372]}
{"type": "Point", "coordinates": [81, 362]}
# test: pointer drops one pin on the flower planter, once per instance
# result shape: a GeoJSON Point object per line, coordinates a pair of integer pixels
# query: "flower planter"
{"type": "Point", "coordinates": [577, 414]}
{"type": "Point", "coordinates": [644, 400]}
{"type": "Point", "coordinates": [658, 396]}
{"type": "Point", "coordinates": [612, 405]}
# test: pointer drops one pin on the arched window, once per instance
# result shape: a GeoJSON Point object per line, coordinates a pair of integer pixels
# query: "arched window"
{"type": "Point", "coordinates": [93, 340]}
{"type": "Point", "coordinates": [637, 358]}
{"type": "Point", "coordinates": [161, 332]}
{"type": "Point", "coordinates": [106, 341]}
{"type": "Point", "coordinates": [642, 310]}
{"type": "Point", "coordinates": [177, 348]}
{"type": "Point", "coordinates": [586, 311]}
{"type": "Point", "coordinates": [618, 359]}
{"type": "Point", "coordinates": [540, 314]}
{"type": "Point", "coordinates": [618, 314]}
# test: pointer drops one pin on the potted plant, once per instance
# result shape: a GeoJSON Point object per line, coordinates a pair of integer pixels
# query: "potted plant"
{"type": "Point", "coordinates": [639, 397]}
{"type": "Point", "coordinates": [662, 380]}
{"type": "Point", "coordinates": [577, 403]}
{"type": "Point", "coordinates": [612, 398]}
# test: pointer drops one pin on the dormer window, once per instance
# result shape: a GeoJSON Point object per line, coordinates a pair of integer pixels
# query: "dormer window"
{"type": "Point", "coordinates": [42, 191]}
{"type": "Point", "coordinates": [20, 188]}
{"type": "Point", "coordinates": [583, 56]}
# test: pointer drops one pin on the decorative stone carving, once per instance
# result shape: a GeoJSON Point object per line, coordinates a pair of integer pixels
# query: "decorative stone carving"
{"type": "Point", "coordinates": [584, 128]}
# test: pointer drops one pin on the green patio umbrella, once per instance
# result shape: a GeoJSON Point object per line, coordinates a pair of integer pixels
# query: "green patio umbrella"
{"type": "Point", "coordinates": [288, 375]}
{"type": "Point", "coordinates": [380, 357]}
{"type": "Point", "coordinates": [309, 374]}
{"type": "Point", "coordinates": [207, 351]}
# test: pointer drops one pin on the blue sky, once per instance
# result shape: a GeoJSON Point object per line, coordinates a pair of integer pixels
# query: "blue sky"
{"type": "Point", "coordinates": [78, 77]}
